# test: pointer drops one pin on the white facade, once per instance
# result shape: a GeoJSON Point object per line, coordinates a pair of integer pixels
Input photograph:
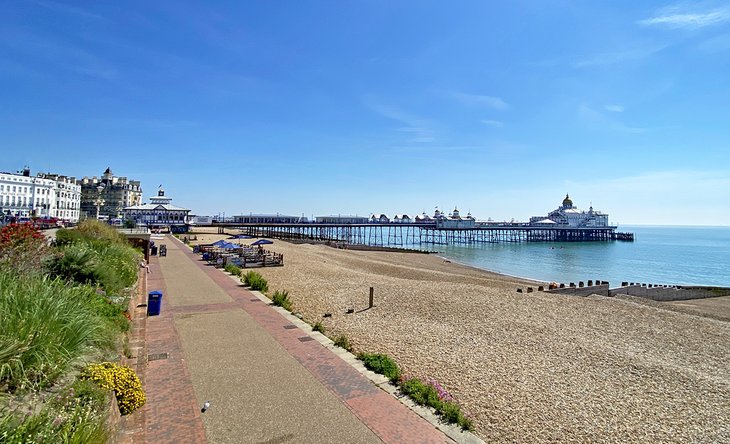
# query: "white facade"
{"type": "Point", "coordinates": [568, 215]}
{"type": "Point", "coordinates": [454, 220]}
{"type": "Point", "coordinates": [45, 196]}
{"type": "Point", "coordinates": [159, 212]}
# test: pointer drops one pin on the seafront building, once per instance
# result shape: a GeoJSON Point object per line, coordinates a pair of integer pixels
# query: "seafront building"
{"type": "Point", "coordinates": [107, 196]}
{"type": "Point", "coordinates": [269, 219]}
{"type": "Point", "coordinates": [566, 215]}
{"type": "Point", "coordinates": [158, 213]}
{"type": "Point", "coordinates": [340, 219]}
{"type": "Point", "coordinates": [43, 196]}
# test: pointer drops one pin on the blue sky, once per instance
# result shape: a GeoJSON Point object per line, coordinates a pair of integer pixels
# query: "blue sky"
{"type": "Point", "coordinates": [327, 107]}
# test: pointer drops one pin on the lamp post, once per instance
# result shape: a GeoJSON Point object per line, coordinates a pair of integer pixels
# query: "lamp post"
{"type": "Point", "coordinates": [99, 201]}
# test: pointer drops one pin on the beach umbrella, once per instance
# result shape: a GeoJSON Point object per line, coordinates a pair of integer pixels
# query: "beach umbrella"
{"type": "Point", "coordinates": [242, 236]}
{"type": "Point", "coordinates": [262, 242]}
{"type": "Point", "coordinates": [229, 246]}
{"type": "Point", "coordinates": [218, 243]}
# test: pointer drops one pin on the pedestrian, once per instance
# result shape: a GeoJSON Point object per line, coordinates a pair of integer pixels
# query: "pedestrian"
{"type": "Point", "coordinates": [144, 265]}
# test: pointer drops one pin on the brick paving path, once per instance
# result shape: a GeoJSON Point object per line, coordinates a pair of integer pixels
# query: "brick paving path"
{"type": "Point", "coordinates": [172, 411]}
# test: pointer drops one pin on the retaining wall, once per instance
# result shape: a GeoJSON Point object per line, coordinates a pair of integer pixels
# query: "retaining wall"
{"type": "Point", "coordinates": [671, 293]}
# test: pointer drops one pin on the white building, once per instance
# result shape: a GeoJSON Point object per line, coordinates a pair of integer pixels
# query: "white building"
{"type": "Point", "coordinates": [158, 213]}
{"type": "Point", "coordinates": [45, 196]}
{"type": "Point", "coordinates": [567, 215]}
{"type": "Point", "coordinates": [454, 220]}
{"type": "Point", "coordinates": [68, 197]}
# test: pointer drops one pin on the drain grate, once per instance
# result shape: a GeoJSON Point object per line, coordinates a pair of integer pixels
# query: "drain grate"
{"type": "Point", "coordinates": [306, 339]}
{"type": "Point", "coordinates": [255, 300]}
{"type": "Point", "coordinates": [156, 356]}
{"type": "Point", "coordinates": [290, 327]}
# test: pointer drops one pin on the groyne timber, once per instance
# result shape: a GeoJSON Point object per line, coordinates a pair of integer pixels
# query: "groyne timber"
{"type": "Point", "coordinates": [413, 234]}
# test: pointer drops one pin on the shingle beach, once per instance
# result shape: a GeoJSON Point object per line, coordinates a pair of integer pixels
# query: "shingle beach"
{"type": "Point", "coordinates": [527, 367]}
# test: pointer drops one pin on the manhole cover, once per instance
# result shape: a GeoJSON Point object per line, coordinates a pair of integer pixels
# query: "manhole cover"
{"type": "Point", "coordinates": [306, 339]}
{"type": "Point", "coordinates": [290, 327]}
{"type": "Point", "coordinates": [156, 356]}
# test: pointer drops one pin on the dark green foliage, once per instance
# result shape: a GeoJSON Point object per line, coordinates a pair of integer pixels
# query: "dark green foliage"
{"type": "Point", "coordinates": [421, 393]}
{"type": "Point", "coordinates": [319, 326]}
{"type": "Point", "coordinates": [382, 364]}
{"type": "Point", "coordinates": [233, 269]}
{"type": "Point", "coordinates": [255, 281]}
{"type": "Point", "coordinates": [281, 299]}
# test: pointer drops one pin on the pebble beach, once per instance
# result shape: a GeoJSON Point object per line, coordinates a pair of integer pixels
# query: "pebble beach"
{"type": "Point", "coordinates": [526, 367]}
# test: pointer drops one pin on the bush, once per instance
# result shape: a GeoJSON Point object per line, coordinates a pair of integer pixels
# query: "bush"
{"type": "Point", "coordinates": [281, 299]}
{"type": "Point", "coordinates": [255, 281]}
{"type": "Point", "coordinates": [342, 342]}
{"type": "Point", "coordinates": [22, 248]}
{"type": "Point", "coordinates": [319, 326]}
{"type": "Point", "coordinates": [433, 395]}
{"type": "Point", "coordinates": [382, 364]}
{"type": "Point", "coordinates": [122, 380]}
{"type": "Point", "coordinates": [45, 326]}
{"type": "Point", "coordinates": [77, 417]}
{"type": "Point", "coordinates": [233, 269]}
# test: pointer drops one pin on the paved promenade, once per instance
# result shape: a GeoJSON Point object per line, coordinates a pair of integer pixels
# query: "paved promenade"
{"type": "Point", "coordinates": [266, 380]}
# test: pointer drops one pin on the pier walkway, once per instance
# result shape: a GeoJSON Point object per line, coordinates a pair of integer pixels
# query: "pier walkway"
{"type": "Point", "coordinates": [266, 382]}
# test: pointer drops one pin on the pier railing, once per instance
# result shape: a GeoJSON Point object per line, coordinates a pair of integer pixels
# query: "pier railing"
{"type": "Point", "coordinates": [412, 234]}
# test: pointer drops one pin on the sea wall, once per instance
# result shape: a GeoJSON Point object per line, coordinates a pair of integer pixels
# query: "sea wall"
{"type": "Point", "coordinates": [601, 290]}
{"type": "Point", "coordinates": [675, 293]}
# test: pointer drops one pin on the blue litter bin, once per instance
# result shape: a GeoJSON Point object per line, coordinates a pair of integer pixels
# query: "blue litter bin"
{"type": "Point", "coordinates": [154, 303]}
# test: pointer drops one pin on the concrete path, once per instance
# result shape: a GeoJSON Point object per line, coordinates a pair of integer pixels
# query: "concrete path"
{"type": "Point", "coordinates": [266, 380]}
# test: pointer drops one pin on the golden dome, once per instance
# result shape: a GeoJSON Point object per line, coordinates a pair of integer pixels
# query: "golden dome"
{"type": "Point", "coordinates": [567, 202]}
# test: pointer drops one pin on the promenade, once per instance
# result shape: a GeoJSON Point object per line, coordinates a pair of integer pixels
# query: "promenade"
{"type": "Point", "coordinates": [266, 380]}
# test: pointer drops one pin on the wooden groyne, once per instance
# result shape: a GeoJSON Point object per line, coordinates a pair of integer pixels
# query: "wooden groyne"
{"type": "Point", "coordinates": [401, 234]}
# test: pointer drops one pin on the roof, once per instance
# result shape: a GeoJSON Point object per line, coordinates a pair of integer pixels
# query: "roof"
{"type": "Point", "coordinates": [150, 207]}
{"type": "Point", "coordinates": [546, 221]}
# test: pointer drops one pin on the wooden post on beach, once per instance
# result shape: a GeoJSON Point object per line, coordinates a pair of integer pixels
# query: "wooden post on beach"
{"type": "Point", "coordinates": [372, 292]}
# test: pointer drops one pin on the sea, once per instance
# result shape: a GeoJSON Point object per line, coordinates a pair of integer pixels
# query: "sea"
{"type": "Point", "coordinates": [665, 255]}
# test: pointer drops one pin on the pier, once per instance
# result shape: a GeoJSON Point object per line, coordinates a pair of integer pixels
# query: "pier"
{"type": "Point", "coordinates": [416, 234]}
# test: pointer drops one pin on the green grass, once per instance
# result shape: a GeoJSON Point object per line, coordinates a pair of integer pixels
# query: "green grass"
{"type": "Point", "coordinates": [281, 299]}
{"type": "Point", "coordinates": [319, 326]}
{"type": "Point", "coordinates": [342, 342]}
{"type": "Point", "coordinates": [233, 269]}
{"type": "Point", "coordinates": [383, 364]}
{"type": "Point", "coordinates": [74, 417]}
{"type": "Point", "coordinates": [46, 326]}
{"type": "Point", "coordinates": [255, 281]}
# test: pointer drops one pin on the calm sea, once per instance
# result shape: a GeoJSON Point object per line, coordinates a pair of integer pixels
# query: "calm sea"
{"type": "Point", "coordinates": [659, 255]}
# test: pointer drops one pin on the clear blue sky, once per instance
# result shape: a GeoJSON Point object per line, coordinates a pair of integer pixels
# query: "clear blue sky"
{"type": "Point", "coordinates": [353, 107]}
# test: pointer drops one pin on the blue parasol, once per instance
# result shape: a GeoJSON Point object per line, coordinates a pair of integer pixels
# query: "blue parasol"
{"type": "Point", "coordinates": [262, 242]}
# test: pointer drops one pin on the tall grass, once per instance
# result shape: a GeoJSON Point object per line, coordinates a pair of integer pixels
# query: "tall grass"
{"type": "Point", "coordinates": [255, 281]}
{"type": "Point", "coordinates": [46, 325]}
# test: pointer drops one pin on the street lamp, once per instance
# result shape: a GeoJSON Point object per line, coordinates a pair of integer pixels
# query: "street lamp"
{"type": "Point", "coordinates": [99, 201]}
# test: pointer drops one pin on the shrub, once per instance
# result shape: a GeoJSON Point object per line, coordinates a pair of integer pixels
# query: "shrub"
{"type": "Point", "coordinates": [433, 395]}
{"type": "Point", "coordinates": [255, 281]}
{"type": "Point", "coordinates": [122, 380]}
{"type": "Point", "coordinates": [233, 269]}
{"type": "Point", "coordinates": [281, 299]}
{"type": "Point", "coordinates": [75, 417]}
{"type": "Point", "coordinates": [45, 326]}
{"type": "Point", "coordinates": [22, 247]}
{"type": "Point", "coordinates": [382, 364]}
{"type": "Point", "coordinates": [319, 326]}
{"type": "Point", "coordinates": [77, 263]}
{"type": "Point", "coordinates": [343, 342]}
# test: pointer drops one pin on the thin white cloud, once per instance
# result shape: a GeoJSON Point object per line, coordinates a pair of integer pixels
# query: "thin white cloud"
{"type": "Point", "coordinates": [718, 43]}
{"type": "Point", "coordinates": [67, 9]}
{"type": "Point", "coordinates": [611, 58]}
{"type": "Point", "coordinates": [614, 108]}
{"type": "Point", "coordinates": [419, 127]}
{"type": "Point", "coordinates": [480, 100]}
{"type": "Point", "coordinates": [682, 16]}
{"type": "Point", "coordinates": [599, 120]}
{"type": "Point", "coordinates": [494, 123]}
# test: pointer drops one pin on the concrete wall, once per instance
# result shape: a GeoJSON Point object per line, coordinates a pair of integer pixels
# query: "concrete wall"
{"type": "Point", "coordinates": [671, 293]}
{"type": "Point", "coordinates": [601, 290]}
